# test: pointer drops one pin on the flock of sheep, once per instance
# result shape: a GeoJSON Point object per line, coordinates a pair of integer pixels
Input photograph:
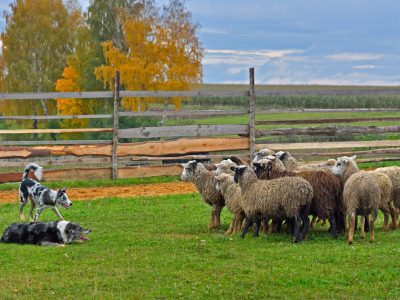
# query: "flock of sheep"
{"type": "Point", "coordinates": [274, 193]}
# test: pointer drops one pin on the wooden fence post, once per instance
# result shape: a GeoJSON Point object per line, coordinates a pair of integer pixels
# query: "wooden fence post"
{"type": "Point", "coordinates": [114, 151]}
{"type": "Point", "coordinates": [252, 112]}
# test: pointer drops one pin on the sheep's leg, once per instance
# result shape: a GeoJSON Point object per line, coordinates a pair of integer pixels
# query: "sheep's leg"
{"type": "Point", "coordinates": [264, 225]}
{"type": "Point", "coordinates": [366, 224]}
{"type": "Point", "coordinates": [313, 221]}
{"type": "Point", "coordinates": [215, 216]}
{"type": "Point", "coordinates": [257, 226]}
{"type": "Point", "coordinates": [239, 223]}
{"type": "Point", "coordinates": [385, 219]}
{"type": "Point", "coordinates": [247, 224]}
{"type": "Point", "coordinates": [297, 229]}
{"type": "Point", "coordinates": [362, 227]}
{"type": "Point", "coordinates": [352, 223]}
{"type": "Point", "coordinates": [231, 226]}
{"type": "Point", "coordinates": [393, 215]}
{"type": "Point", "coordinates": [333, 228]}
{"type": "Point", "coordinates": [371, 225]}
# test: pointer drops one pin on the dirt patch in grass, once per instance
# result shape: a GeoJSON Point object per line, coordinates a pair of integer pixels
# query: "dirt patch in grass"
{"type": "Point", "coordinates": [84, 194]}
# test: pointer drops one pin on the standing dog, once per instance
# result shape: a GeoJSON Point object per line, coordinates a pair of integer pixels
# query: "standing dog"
{"type": "Point", "coordinates": [40, 196]}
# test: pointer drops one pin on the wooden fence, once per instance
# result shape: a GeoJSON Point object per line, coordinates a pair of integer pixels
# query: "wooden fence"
{"type": "Point", "coordinates": [179, 143]}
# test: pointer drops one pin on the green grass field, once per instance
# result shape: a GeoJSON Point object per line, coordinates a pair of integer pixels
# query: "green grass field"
{"type": "Point", "coordinates": [160, 248]}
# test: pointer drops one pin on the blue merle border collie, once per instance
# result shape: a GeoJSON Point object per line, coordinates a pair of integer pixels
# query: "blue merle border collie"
{"type": "Point", "coordinates": [44, 234]}
{"type": "Point", "coordinates": [40, 196]}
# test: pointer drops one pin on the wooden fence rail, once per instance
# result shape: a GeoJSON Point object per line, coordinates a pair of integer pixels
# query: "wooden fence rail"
{"type": "Point", "coordinates": [330, 131]}
{"type": "Point", "coordinates": [322, 121]}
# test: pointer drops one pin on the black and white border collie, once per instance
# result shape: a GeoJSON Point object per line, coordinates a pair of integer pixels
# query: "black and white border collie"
{"type": "Point", "coordinates": [44, 234]}
{"type": "Point", "coordinates": [40, 196]}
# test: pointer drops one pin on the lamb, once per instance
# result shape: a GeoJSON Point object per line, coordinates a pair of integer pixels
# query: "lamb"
{"type": "Point", "coordinates": [394, 175]}
{"type": "Point", "coordinates": [205, 183]}
{"type": "Point", "coordinates": [363, 194]}
{"type": "Point", "coordinates": [385, 185]}
{"type": "Point", "coordinates": [286, 197]}
{"type": "Point", "coordinates": [326, 200]}
{"type": "Point", "coordinates": [232, 195]}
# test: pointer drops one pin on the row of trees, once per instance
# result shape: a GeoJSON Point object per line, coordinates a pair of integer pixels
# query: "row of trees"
{"type": "Point", "coordinates": [52, 45]}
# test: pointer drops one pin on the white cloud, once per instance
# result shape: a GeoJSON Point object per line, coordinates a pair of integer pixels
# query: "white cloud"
{"type": "Point", "coordinates": [245, 57]}
{"type": "Point", "coordinates": [235, 70]}
{"type": "Point", "coordinates": [366, 67]}
{"type": "Point", "coordinates": [213, 31]}
{"type": "Point", "coordinates": [353, 56]}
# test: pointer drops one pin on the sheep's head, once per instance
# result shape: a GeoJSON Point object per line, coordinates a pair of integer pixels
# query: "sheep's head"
{"type": "Point", "coordinates": [188, 170]}
{"type": "Point", "coordinates": [342, 163]}
{"type": "Point", "coordinates": [221, 178]}
{"type": "Point", "coordinates": [225, 167]}
{"type": "Point", "coordinates": [262, 154]}
{"type": "Point", "coordinates": [329, 163]}
{"type": "Point", "coordinates": [266, 166]}
{"type": "Point", "coordinates": [239, 171]}
{"type": "Point", "coordinates": [263, 165]}
{"type": "Point", "coordinates": [282, 155]}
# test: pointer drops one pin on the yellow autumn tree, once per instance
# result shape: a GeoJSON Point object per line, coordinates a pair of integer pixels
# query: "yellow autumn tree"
{"type": "Point", "coordinates": [70, 82]}
{"type": "Point", "coordinates": [163, 54]}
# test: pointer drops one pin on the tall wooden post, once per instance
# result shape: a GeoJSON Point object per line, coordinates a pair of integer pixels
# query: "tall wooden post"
{"type": "Point", "coordinates": [115, 127]}
{"type": "Point", "coordinates": [252, 111]}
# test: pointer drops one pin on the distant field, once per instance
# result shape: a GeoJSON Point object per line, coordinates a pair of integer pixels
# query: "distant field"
{"type": "Point", "coordinates": [160, 248]}
{"type": "Point", "coordinates": [375, 101]}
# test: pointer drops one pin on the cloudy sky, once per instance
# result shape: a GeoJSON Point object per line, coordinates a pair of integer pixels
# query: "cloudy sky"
{"type": "Point", "coordinates": [298, 42]}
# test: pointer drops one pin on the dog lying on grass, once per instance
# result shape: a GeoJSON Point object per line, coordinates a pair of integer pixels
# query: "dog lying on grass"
{"type": "Point", "coordinates": [44, 234]}
{"type": "Point", "coordinates": [40, 196]}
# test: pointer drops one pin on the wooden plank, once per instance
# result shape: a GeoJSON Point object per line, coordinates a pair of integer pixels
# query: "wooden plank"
{"type": "Point", "coordinates": [58, 130]}
{"type": "Point", "coordinates": [58, 142]}
{"type": "Point", "coordinates": [200, 94]}
{"type": "Point", "coordinates": [184, 113]}
{"type": "Point", "coordinates": [58, 162]}
{"type": "Point", "coordinates": [330, 131]}
{"type": "Point", "coordinates": [98, 173]}
{"type": "Point", "coordinates": [188, 157]}
{"type": "Point", "coordinates": [114, 149]}
{"type": "Point", "coordinates": [321, 121]}
{"type": "Point", "coordinates": [174, 147]}
{"type": "Point", "coordinates": [56, 95]}
{"type": "Point", "coordinates": [329, 145]}
{"type": "Point", "coordinates": [57, 117]}
{"type": "Point", "coordinates": [387, 151]}
{"type": "Point", "coordinates": [354, 91]}
{"type": "Point", "coordinates": [183, 131]}
{"type": "Point", "coordinates": [252, 113]}
{"type": "Point", "coordinates": [325, 110]}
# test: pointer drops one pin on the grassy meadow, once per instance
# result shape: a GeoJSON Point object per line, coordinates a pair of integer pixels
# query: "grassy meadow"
{"type": "Point", "coordinates": [161, 248]}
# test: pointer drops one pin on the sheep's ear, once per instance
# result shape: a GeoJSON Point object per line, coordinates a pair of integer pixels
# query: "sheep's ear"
{"type": "Point", "coordinates": [353, 157]}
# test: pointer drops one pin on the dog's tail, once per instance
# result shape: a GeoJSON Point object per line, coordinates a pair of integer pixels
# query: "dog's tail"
{"type": "Point", "coordinates": [38, 171]}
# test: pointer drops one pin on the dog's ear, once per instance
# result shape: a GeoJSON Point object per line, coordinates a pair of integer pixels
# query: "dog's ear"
{"type": "Point", "coordinates": [61, 191]}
